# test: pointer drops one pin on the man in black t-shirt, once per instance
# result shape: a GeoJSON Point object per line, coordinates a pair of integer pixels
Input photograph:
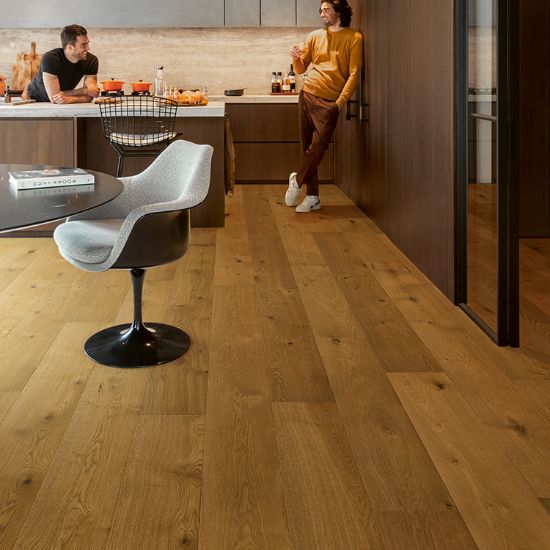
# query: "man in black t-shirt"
{"type": "Point", "coordinates": [62, 69]}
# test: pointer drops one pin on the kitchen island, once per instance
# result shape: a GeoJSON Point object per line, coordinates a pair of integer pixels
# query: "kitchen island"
{"type": "Point", "coordinates": [72, 135]}
{"type": "Point", "coordinates": [265, 134]}
{"type": "Point", "coordinates": [267, 138]}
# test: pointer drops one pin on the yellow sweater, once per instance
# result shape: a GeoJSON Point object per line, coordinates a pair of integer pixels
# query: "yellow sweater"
{"type": "Point", "coordinates": [336, 59]}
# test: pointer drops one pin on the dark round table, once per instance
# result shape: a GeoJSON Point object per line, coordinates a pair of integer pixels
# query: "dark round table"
{"type": "Point", "coordinates": [35, 206]}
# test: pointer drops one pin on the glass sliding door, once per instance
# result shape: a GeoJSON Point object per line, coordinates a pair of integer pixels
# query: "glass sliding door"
{"type": "Point", "coordinates": [486, 213]}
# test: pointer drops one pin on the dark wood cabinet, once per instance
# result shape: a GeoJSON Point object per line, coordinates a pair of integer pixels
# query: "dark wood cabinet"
{"type": "Point", "coordinates": [399, 166]}
{"type": "Point", "coordinates": [267, 143]}
{"type": "Point", "coordinates": [38, 141]}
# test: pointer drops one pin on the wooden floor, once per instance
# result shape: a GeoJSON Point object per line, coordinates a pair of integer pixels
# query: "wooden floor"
{"type": "Point", "coordinates": [332, 398]}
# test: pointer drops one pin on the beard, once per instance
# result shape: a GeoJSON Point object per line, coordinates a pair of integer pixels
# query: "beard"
{"type": "Point", "coordinates": [330, 21]}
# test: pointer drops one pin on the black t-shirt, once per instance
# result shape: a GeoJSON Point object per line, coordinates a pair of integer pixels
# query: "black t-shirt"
{"type": "Point", "coordinates": [69, 74]}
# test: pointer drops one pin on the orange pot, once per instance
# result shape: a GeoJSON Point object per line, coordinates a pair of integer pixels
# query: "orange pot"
{"type": "Point", "coordinates": [112, 85]}
{"type": "Point", "coordinates": [140, 86]}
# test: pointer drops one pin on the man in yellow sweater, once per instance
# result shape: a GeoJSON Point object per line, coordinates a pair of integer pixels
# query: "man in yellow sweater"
{"type": "Point", "coordinates": [335, 54]}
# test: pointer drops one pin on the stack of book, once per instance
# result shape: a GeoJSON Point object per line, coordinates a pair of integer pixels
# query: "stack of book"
{"type": "Point", "coordinates": [53, 177]}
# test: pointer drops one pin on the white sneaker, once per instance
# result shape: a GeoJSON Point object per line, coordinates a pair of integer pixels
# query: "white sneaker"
{"type": "Point", "coordinates": [309, 204]}
{"type": "Point", "coordinates": [293, 191]}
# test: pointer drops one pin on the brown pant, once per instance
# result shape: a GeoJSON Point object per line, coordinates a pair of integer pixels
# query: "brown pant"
{"type": "Point", "coordinates": [318, 118]}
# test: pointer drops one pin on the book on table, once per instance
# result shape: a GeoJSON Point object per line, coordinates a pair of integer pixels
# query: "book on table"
{"type": "Point", "coordinates": [52, 177]}
{"type": "Point", "coordinates": [53, 191]}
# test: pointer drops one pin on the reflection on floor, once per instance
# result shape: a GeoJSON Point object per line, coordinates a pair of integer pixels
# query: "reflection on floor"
{"type": "Point", "coordinates": [534, 274]}
{"type": "Point", "coordinates": [482, 251]}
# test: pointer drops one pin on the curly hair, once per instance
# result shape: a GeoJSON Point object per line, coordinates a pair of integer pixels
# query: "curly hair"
{"type": "Point", "coordinates": [343, 9]}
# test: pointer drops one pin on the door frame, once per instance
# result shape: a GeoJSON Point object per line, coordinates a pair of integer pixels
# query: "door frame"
{"type": "Point", "coordinates": [507, 332]}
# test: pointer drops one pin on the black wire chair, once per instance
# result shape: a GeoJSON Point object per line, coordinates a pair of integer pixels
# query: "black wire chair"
{"type": "Point", "coordinates": [138, 126]}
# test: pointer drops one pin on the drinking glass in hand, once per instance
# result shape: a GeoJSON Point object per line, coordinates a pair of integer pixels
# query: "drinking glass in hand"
{"type": "Point", "coordinates": [297, 50]}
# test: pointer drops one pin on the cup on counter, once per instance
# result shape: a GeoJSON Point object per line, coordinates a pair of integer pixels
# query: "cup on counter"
{"type": "Point", "coordinates": [172, 92]}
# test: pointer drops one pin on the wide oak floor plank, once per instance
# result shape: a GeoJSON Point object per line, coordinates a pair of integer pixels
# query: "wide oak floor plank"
{"type": "Point", "coordinates": [20, 253]}
{"type": "Point", "coordinates": [233, 262]}
{"type": "Point", "coordinates": [7, 275]}
{"type": "Point", "coordinates": [76, 502]}
{"type": "Point", "coordinates": [296, 370]}
{"type": "Point", "coordinates": [242, 498]}
{"type": "Point", "coordinates": [158, 504]}
{"type": "Point", "coordinates": [34, 308]}
{"type": "Point", "coordinates": [185, 301]}
{"type": "Point", "coordinates": [499, 508]}
{"type": "Point", "coordinates": [519, 429]}
{"type": "Point", "coordinates": [327, 505]}
{"type": "Point", "coordinates": [396, 470]}
{"type": "Point", "coordinates": [7, 399]}
{"type": "Point", "coordinates": [424, 531]}
{"type": "Point", "coordinates": [32, 430]}
{"type": "Point", "coordinates": [380, 318]}
{"type": "Point", "coordinates": [537, 393]}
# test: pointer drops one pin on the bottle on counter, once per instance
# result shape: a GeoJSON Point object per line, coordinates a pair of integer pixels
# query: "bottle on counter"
{"type": "Point", "coordinates": [159, 81]}
{"type": "Point", "coordinates": [274, 86]}
{"type": "Point", "coordinates": [275, 83]}
{"type": "Point", "coordinates": [280, 81]}
{"type": "Point", "coordinates": [292, 77]}
{"type": "Point", "coordinates": [286, 84]}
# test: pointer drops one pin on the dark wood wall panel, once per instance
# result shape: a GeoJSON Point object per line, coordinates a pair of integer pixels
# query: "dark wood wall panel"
{"type": "Point", "coordinates": [399, 167]}
{"type": "Point", "coordinates": [37, 141]}
{"type": "Point", "coordinates": [534, 67]}
{"type": "Point", "coordinates": [420, 107]}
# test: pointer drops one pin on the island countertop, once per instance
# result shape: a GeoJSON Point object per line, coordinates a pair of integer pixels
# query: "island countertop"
{"type": "Point", "coordinates": [49, 110]}
{"type": "Point", "coordinates": [216, 107]}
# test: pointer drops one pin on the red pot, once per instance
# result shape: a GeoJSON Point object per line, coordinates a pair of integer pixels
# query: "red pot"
{"type": "Point", "coordinates": [140, 86]}
{"type": "Point", "coordinates": [112, 85]}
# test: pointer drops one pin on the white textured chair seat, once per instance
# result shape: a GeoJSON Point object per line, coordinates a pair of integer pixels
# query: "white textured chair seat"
{"type": "Point", "coordinates": [141, 140]}
{"type": "Point", "coordinates": [177, 180]}
{"type": "Point", "coordinates": [87, 241]}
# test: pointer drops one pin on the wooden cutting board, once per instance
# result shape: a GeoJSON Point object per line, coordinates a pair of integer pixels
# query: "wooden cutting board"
{"type": "Point", "coordinates": [25, 67]}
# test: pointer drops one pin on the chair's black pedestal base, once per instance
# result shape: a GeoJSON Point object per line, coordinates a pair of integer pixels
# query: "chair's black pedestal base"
{"type": "Point", "coordinates": [135, 345]}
